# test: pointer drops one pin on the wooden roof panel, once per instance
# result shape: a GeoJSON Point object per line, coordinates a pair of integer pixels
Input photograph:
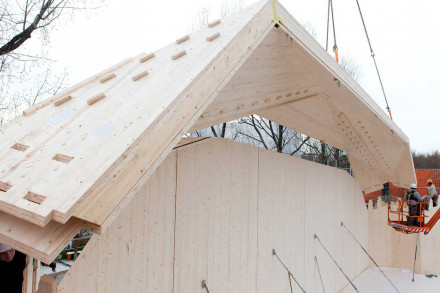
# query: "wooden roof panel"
{"type": "Point", "coordinates": [101, 135]}
{"type": "Point", "coordinates": [88, 156]}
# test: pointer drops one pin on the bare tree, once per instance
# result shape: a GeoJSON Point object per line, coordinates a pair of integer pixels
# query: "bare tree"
{"type": "Point", "coordinates": [426, 160]}
{"type": "Point", "coordinates": [26, 74]}
{"type": "Point", "coordinates": [267, 134]}
{"type": "Point", "coordinates": [19, 19]}
{"type": "Point", "coordinates": [352, 68]}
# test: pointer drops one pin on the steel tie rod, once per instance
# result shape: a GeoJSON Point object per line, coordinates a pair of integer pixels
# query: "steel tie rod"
{"type": "Point", "coordinates": [319, 271]}
{"type": "Point", "coordinates": [342, 271]}
{"type": "Point", "coordinates": [415, 255]}
{"type": "Point", "coordinates": [383, 273]}
{"type": "Point", "coordinates": [288, 271]}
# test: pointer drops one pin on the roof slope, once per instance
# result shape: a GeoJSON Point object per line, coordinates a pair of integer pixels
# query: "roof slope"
{"type": "Point", "coordinates": [86, 152]}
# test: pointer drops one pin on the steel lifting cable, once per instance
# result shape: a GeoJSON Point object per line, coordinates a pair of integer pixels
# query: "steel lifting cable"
{"type": "Point", "coordinates": [335, 46]}
{"type": "Point", "coordinates": [288, 271]}
{"type": "Point", "coordinates": [383, 273]}
{"type": "Point", "coordinates": [328, 24]}
{"type": "Point", "coordinates": [339, 267]}
{"type": "Point", "coordinates": [319, 271]}
{"type": "Point", "coordinates": [374, 59]}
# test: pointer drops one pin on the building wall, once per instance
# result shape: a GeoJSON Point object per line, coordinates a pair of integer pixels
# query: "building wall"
{"type": "Point", "coordinates": [214, 211]}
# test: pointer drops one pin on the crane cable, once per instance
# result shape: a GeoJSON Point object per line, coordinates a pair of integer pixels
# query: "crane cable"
{"type": "Point", "coordinates": [335, 46]}
{"type": "Point", "coordinates": [374, 59]}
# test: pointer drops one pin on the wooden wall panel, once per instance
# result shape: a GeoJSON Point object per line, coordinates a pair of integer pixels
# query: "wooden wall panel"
{"type": "Point", "coordinates": [135, 254]}
{"type": "Point", "coordinates": [216, 220]}
{"type": "Point", "coordinates": [219, 208]}
{"type": "Point", "coordinates": [281, 226]}
{"type": "Point", "coordinates": [297, 199]}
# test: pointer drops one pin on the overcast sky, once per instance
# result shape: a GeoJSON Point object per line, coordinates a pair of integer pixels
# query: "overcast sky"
{"type": "Point", "coordinates": [405, 36]}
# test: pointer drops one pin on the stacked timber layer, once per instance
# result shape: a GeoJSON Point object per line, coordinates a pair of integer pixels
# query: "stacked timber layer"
{"type": "Point", "coordinates": [214, 210]}
{"type": "Point", "coordinates": [78, 159]}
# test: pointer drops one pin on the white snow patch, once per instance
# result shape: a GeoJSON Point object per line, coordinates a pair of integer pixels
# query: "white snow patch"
{"type": "Point", "coordinates": [372, 280]}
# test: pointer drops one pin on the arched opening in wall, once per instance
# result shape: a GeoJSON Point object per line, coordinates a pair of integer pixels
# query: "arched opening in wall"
{"type": "Point", "coordinates": [263, 133]}
{"type": "Point", "coordinates": [50, 275]}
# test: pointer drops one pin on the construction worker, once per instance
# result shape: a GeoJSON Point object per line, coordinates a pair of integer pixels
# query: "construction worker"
{"type": "Point", "coordinates": [414, 200]}
{"type": "Point", "coordinates": [12, 264]}
{"type": "Point", "coordinates": [432, 193]}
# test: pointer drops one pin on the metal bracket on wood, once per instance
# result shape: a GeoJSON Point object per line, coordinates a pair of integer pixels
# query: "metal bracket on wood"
{"type": "Point", "coordinates": [288, 271]}
{"type": "Point", "coordinates": [205, 286]}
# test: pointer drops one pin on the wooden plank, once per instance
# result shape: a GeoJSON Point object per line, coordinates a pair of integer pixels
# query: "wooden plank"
{"type": "Point", "coordinates": [182, 39]}
{"type": "Point", "coordinates": [62, 100]}
{"type": "Point", "coordinates": [36, 270]}
{"type": "Point", "coordinates": [41, 243]}
{"type": "Point", "coordinates": [212, 37]}
{"type": "Point", "coordinates": [95, 98]}
{"type": "Point", "coordinates": [107, 78]}
{"type": "Point", "coordinates": [27, 276]}
{"type": "Point", "coordinates": [48, 284]}
{"type": "Point", "coordinates": [139, 76]}
{"type": "Point", "coordinates": [147, 57]}
{"type": "Point", "coordinates": [178, 55]}
{"type": "Point", "coordinates": [214, 23]}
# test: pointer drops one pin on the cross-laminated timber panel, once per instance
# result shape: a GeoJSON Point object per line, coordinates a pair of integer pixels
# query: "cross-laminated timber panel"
{"type": "Point", "coordinates": [120, 149]}
{"type": "Point", "coordinates": [291, 80]}
{"type": "Point", "coordinates": [229, 206]}
{"type": "Point", "coordinates": [87, 152]}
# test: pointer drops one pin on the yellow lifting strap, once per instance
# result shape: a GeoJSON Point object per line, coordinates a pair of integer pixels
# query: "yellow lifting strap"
{"type": "Point", "coordinates": [276, 18]}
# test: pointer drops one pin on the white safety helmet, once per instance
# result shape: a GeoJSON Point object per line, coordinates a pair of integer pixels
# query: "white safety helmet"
{"type": "Point", "coordinates": [413, 186]}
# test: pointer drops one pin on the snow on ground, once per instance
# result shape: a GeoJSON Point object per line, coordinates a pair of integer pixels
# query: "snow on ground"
{"type": "Point", "coordinates": [372, 281]}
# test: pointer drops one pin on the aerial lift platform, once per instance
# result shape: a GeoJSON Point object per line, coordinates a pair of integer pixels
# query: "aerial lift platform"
{"type": "Point", "coordinates": [402, 213]}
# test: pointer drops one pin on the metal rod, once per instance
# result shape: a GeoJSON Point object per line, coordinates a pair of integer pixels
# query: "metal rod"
{"type": "Point", "coordinates": [383, 273]}
{"type": "Point", "coordinates": [342, 271]}
{"type": "Point", "coordinates": [319, 271]}
{"type": "Point", "coordinates": [415, 255]}
{"type": "Point", "coordinates": [288, 271]}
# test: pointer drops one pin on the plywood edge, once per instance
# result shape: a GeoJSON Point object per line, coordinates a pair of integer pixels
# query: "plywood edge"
{"type": "Point", "coordinates": [38, 242]}
{"type": "Point", "coordinates": [261, 20]}
{"type": "Point", "coordinates": [33, 214]}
